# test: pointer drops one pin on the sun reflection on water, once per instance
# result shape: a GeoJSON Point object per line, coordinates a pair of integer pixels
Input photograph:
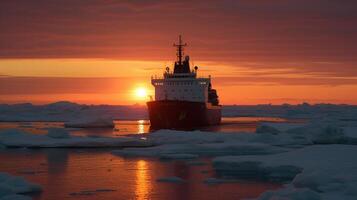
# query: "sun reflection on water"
{"type": "Point", "coordinates": [143, 184]}
{"type": "Point", "coordinates": [141, 126]}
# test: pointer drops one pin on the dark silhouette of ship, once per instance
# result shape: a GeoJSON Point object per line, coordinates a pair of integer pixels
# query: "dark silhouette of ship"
{"type": "Point", "coordinates": [183, 100]}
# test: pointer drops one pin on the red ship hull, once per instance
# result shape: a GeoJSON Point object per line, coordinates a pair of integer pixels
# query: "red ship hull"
{"type": "Point", "coordinates": [169, 114]}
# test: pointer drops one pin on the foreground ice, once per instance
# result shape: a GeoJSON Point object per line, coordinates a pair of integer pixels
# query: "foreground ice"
{"type": "Point", "coordinates": [318, 171]}
{"type": "Point", "coordinates": [12, 187]}
{"type": "Point", "coordinates": [59, 138]}
{"type": "Point", "coordinates": [181, 144]}
{"type": "Point", "coordinates": [270, 139]}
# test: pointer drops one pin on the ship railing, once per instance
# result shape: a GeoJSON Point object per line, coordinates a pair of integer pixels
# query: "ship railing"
{"type": "Point", "coordinates": [155, 77]}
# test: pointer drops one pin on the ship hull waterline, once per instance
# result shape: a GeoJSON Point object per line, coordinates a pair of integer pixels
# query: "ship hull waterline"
{"type": "Point", "coordinates": [171, 114]}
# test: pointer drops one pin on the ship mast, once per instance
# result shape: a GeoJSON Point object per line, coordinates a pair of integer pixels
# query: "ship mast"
{"type": "Point", "coordinates": [179, 47]}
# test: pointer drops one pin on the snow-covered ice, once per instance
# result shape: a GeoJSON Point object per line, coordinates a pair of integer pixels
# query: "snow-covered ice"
{"type": "Point", "coordinates": [69, 112]}
{"type": "Point", "coordinates": [169, 143]}
{"type": "Point", "coordinates": [57, 138]}
{"type": "Point", "coordinates": [291, 193]}
{"type": "Point", "coordinates": [315, 159]}
{"type": "Point", "coordinates": [12, 187]}
{"type": "Point", "coordinates": [326, 170]}
{"type": "Point", "coordinates": [274, 138]}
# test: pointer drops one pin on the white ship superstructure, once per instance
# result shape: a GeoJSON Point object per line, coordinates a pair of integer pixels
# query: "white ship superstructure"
{"type": "Point", "coordinates": [181, 98]}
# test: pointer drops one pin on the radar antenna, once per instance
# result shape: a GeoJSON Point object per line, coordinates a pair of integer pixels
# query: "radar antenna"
{"type": "Point", "coordinates": [179, 47]}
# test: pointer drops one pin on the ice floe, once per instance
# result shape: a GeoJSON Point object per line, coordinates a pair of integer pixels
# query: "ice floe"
{"type": "Point", "coordinates": [171, 144]}
{"type": "Point", "coordinates": [274, 138]}
{"type": "Point", "coordinates": [319, 170]}
{"type": "Point", "coordinates": [291, 193]}
{"type": "Point", "coordinates": [70, 112]}
{"type": "Point", "coordinates": [59, 138]}
{"type": "Point", "coordinates": [12, 187]}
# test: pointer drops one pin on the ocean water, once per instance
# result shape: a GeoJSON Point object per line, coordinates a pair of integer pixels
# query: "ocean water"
{"type": "Point", "coordinates": [125, 127]}
{"type": "Point", "coordinates": [98, 174]}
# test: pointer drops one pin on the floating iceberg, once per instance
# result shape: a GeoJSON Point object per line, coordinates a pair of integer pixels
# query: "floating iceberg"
{"type": "Point", "coordinates": [327, 170]}
{"type": "Point", "coordinates": [69, 112]}
{"type": "Point", "coordinates": [12, 187]}
{"type": "Point", "coordinates": [291, 193]}
{"type": "Point", "coordinates": [172, 144]}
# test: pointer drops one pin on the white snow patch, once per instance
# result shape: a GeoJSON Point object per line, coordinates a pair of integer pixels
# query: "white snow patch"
{"type": "Point", "coordinates": [212, 144]}
{"type": "Point", "coordinates": [290, 193]}
{"type": "Point", "coordinates": [277, 127]}
{"type": "Point", "coordinates": [317, 132]}
{"type": "Point", "coordinates": [324, 169]}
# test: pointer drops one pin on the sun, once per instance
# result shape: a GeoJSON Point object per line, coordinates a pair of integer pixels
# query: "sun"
{"type": "Point", "coordinates": [141, 93]}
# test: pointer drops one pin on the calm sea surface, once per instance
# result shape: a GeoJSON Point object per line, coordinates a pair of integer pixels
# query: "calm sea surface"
{"type": "Point", "coordinates": [97, 174]}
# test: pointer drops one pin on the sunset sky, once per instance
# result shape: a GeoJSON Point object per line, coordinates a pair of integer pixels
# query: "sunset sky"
{"type": "Point", "coordinates": [100, 52]}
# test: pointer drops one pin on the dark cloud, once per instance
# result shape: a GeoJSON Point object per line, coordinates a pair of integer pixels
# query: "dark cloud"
{"type": "Point", "coordinates": [276, 32]}
{"type": "Point", "coordinates": [63, 85]}
{"type": "Point", "coordinates": [92, 85]}
{"type": "Point", "coordinates": [256, 80]}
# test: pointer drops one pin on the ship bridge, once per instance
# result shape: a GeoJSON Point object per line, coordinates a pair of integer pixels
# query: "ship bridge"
{"type": "Point", "coordinates": [182, 83]}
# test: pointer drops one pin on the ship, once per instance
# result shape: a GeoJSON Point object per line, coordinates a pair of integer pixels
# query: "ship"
{"type": "Point", "coordinates": [182, 99]}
